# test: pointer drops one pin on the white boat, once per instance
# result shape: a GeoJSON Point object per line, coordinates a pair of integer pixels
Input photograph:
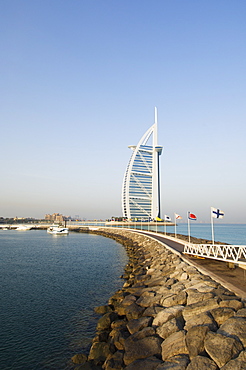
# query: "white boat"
{"type": "Point", "coordinates": [57, 230]}
{"type": "Point", "coordinates": [23, 228]}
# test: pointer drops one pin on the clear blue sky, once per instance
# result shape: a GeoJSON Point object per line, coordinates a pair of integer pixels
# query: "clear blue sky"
{"type": "Point", "coordinates": [79, 83]}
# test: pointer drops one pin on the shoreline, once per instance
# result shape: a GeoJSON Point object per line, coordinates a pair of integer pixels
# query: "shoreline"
{"type": "Point", "coordinates": [166, 315]}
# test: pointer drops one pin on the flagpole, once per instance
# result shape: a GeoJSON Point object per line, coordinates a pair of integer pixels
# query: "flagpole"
{"type": "Point", "coordinates": [175, 226]}
{"type": "Point", "coordinates": [188, 225]}
{"type": "Point", "coordinates": [212, 226]}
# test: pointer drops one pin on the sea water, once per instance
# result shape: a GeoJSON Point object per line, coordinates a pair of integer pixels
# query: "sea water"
{"type": "Point", "coordinates": [49, 288]}
{"type": "Point", "coordinates": [226, 233]}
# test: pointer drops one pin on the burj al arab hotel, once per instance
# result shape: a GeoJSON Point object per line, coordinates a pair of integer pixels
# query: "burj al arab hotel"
{"type": "Point", "coordinates": [141, 184]}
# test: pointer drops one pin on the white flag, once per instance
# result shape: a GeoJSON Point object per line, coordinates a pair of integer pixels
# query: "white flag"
{"type": "Point", "coordinates": [178, 217]}
{"type": "Point", "coordinates": [167, 218]}
{"type": "Point", "coordinates": [217, 213]}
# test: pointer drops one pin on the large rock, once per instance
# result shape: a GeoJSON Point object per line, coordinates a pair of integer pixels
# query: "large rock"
{"type": "Point", "coordinates": [145, 332]}
{"type": "Point", "coordinates": [170, 327]}
{"type": "Point", "coordinates": [174, 345]}
{"type": "Point", "coordinates": [142, 348]}
{"type": "Point", "coordinates": [105, 321]}
{"type": "Point", "coordinates": [241, 312]}
{"type": "Point", "coordinates": [221, 348]}
{"type": "Point", "coordinates": [167, 314]}
{"type": "Point", "coordinates": [174, 300]}
{"type": "Point", "coordinates": [119, 335]}
{"type": "Point", "coordinates": [148, 301]}
{"type": "Point", "coordinates": [79, 358]}
{"type": "Point", "coordinates": [155, 281]}
{"type": "Point", "coordinates": [89, 366]}
{"type": "Point", "coordinates": [99, 352]}
{"type": "Point", "coordinates": [221, 314]}
{"type": "Point", "coordinates": [101, 310]}
{"type": "Point", "coordinates": [195, 340]}
{"type": "Point", "coordinates": [238, 363]}
{"type": "Point", "coordinates": [133, 311]}
{"type": "Point", "coordinates": [118, 323]}
{"type": "Point", "coordinates": [177, 288]}
{"type": "Point", "coordinates": [235, 327]}
{"type": "Point", "coordinates": [204, 318]}
{"type": "Point", "coordinates": [129, 299]}
{"type": "Point", "coordinates": [196, 308]}
{"type": "Point", "coordinates": [114, 361]}
{"type": "Point", "coordinates": [179, 362]}
{"type": "Point", "coordinates": [232, 303]}
{"type": "Point", "coordinates": [136, 325]}
{"type": "Point", "coordinates": [149, 363]}
{"type": "Point", "coordinates": [195, 296]}
{"type": "Point", "coordinates": [163, 290]}
{"type": "Point", "coordinates": [202, 286]}
{"type": "Point", "coordinates": [152, 311]}
{"type": "Point", "coordinates": [202, 363]}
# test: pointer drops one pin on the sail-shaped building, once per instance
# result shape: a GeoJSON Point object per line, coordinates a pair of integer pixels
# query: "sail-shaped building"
{"type": "Point", "coordinates": [141, 184]}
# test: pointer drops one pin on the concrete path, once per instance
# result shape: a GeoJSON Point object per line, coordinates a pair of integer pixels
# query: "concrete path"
{"type": "Point", "coordinates": [232, 279]}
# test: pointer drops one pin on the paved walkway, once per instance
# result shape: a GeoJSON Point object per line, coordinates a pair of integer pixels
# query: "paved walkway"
{"type": "Point", "coordinates": [232, 279]}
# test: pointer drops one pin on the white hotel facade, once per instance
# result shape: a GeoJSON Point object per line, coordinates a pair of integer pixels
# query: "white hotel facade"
{"type": "Point", "coordinates": [141, 184]}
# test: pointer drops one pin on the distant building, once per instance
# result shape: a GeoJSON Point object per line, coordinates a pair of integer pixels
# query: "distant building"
{"type": "Point", "coordinates": [141, 184]}
{"type": "Point", "coordinates": [55, 217]}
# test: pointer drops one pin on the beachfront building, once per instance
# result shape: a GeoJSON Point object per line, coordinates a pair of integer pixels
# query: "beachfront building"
{"type": "Point", "coordinates": [141, 184]}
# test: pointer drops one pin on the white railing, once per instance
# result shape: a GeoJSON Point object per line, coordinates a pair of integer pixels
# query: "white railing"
{"type": "Point", "coordinates": [228, 253]}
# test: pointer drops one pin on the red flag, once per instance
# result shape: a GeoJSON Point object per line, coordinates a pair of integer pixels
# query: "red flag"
{"type": "Point", "coordinates": [191, 216]}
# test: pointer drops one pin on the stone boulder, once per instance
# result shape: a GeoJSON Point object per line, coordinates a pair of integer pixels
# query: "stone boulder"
{"type": "Point", "coordinates": [221, 348]}
{"type": "Point", "coordinates": [169, 327]}
{"type": "Point", "coordinates": [232, 303]}
{"type": "Point", "coordinates": [129, 299]}
{"type": "Point", "coordinates": [118, 336]}
{"type": "Point", "coordinates": [167, 314]}
{"type": "Point", "coordinates": [179, 362]}
{"type": "Point", "coordinates": [89, 366]}
{"type": "Point", "coordinates": [174, 345]}
{"type": "Point", "coordinates": [142, 348]}
{"type": "Point", "coordinates": [204, 318]}
{"type": "Point", "coordinates": [195, 340]}
{"type": "Point", "coordinates": [101, 310]}
{"type": "Point", "coordinates": [174, 300]}
{"type": "Point", "coordinates": [149, 363]}
{"type": "Point", "coordinates": [196, 308]}
{"type": "Point", "coordinates": [221, 314]}
{"type": "Point", "coordinates": [238, 363]}
{"type": "Point", "coordinates": [235, 327]}
{"type": "Point", "coordinates": [195, 296]}
{"type": "Point", "coordinates": [148, 301]}
{"type": "Point", "coordinates": [202, 363]}
{"type": "Point", "coordinates": [133, 311]}
{"type": "Point", "coordinates": [152, 311]}
{"type": "Point", "coordinates": [99, 352]}
{"type": "Point", "coordinates": [136, 325]}
{"type": "Point", "coordinates": [241, 312]}
{"type": "Point", "coordinates": [79, 358]}
{"type": "Point", "coordinates": [114, 361]}
{"type": "Point", "coordinates": [105, 321]}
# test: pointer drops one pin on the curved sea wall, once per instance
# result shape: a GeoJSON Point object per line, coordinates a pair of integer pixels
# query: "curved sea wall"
{"type": "Point", "coordinates": [167, 315]}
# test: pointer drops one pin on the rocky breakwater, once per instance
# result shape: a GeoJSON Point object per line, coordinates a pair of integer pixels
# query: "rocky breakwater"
{"type": "Point", "coordinates": [167, 316]}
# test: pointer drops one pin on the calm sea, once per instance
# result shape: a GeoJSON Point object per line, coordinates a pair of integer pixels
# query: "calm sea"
{"type": "Point", "coordinates": [51, 284]}
{"type": "Point", "coordinates": [49, 288]}
{"type": "Point", "coordinates": [225, 233]}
